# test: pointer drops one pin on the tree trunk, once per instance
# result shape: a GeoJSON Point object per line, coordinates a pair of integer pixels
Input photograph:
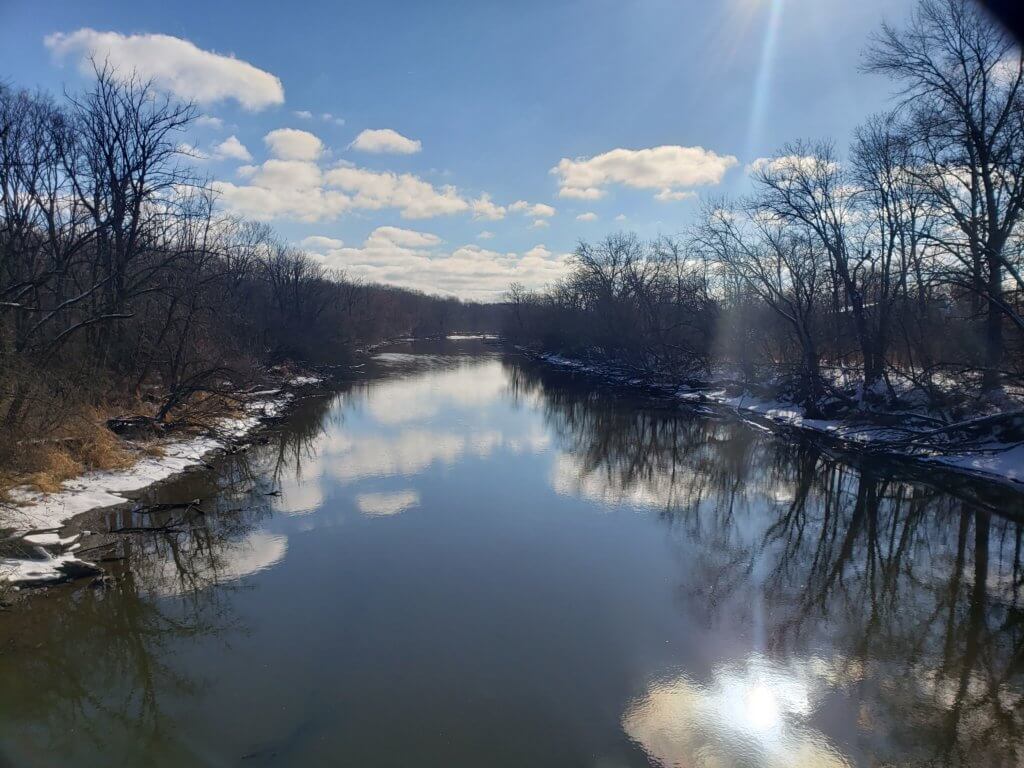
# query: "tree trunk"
{"type": "Point", "coordinates": [994, 327]}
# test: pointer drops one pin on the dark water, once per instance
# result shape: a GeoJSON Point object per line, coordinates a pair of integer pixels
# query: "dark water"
{"type": "Point", "coordinates": [474, 561]}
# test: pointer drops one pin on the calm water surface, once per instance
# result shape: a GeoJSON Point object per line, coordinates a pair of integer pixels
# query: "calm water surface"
{"type": "Point", "coordinates": [462, 559]}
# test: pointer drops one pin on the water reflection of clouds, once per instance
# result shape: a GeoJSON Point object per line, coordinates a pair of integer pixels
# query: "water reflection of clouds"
{"type": "Point", "coordinates": [751, 713]}
{"type": "Point", "coordinates": [179, 570]}
{"type": "Point", "coordinates": [571, 477]}
{"type": "Point", "coordinates": [407, 453]}
{"type": "Point", "coordinates": [419, 398]}
{"type": "Point", "coordinates": [386, 504]}
{"type": "Point", "coordinates": [386, 440]}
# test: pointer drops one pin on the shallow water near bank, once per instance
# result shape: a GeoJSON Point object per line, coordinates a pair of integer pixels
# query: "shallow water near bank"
{"type": "Point", "coordinates": [463, 558]}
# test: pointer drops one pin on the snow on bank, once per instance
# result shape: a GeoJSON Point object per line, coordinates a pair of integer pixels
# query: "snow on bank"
{"type": "Point", "coordinates": [34, 516]}
{"type": "Point", "coordinates": [471, 336]}
{"type": "Point", "coordinates": [46, 570]}
{"type": "Point", "coordinates": [35, 511]}
{"type": "Point", "coordinates": [996, 461]}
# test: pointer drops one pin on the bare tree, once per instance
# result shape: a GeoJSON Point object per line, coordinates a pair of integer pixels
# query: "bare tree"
{"type": "Point", "coordinates": [782, 267]}
{"type": "Point", "coordinates": [962, 79]}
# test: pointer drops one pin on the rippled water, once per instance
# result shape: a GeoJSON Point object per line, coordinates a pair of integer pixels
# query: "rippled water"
{"type": "Point", "coordinates": [464, 559]}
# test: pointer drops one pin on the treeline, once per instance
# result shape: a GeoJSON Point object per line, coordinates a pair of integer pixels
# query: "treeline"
{"type": "Point", "coordinates": [121, 283]}
{"type": "Point", "coordinates": [893, 272]}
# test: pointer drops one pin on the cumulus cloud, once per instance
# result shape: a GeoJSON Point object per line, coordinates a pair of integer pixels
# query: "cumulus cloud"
{"type": "Point", "coordinates": [301, 189]}
{"type": "Point", "coordinates": [264, 204]}
{"type": "Point", "coordinates": [666, 168]}
{"type": "Point", "coordinates": [621, 217]}
{"type": "Point", "coordinates": [403, 238]}
{"type": "Point", "coordinates": [208, 121]}
{"type": "Point", "coordinates": [784, 164]}
{"type": "Point", "coordinates": [485, 235]}
{"type": "Point", "coordinates": [192, 151]}
{"type": "Point", "coordinates": [414, 197]}
{"type": "Point", "coordinates": [385, 140]}
{"type": "Point", "coordinates": [485, 208]}
{"type": "Point", "coordinates": [288, 174]}
{"type": "Point", "coordinates": [319, 243]}
{"type": "Point", "coordinates": [303, 114]}
{"type": "Point", "coordinates": [174, 64]}
{"type": "Point", "coordinates": [588, 216]}
{"type": "Point", "coordinates": [539, 224]}
{"type": "Point", "coordinates": [283, 189]}
{"type": "Point", "coordinates": [327, 117]}
{"type": "Point", "coordinates": [669, 195]}
{"type": "Point", "coordinates": [232, 149]}
{"type": "Point", "coordinates": [413, 259]}
{"type": "Point", "coordinates": [536, 210]}
{"type": "Point", "coordinates": [293, 144]}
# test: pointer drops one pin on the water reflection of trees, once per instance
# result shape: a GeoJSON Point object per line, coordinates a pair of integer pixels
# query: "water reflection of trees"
{"type": "Point", "coordinates": [96, 670]}
{"type": "Point", "coordinates": [913, 593]}
{"type": "Point", "coordinates": [90, 671]}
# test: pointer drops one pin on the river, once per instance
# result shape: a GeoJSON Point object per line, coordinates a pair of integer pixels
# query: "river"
{"type": "Point", "coordinates": [463, 558]}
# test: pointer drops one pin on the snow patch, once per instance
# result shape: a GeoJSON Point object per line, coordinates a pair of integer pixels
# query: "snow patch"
{"type": "Point", "coordinates": [996, 461]}
{"type": "Point", "coordinates": [34, 515]}
{"type": "Point", "coordinates": [48, 569]}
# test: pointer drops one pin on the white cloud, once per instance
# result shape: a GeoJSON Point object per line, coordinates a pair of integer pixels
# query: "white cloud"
{"type": "Point", "coordinates": [293, 144]}
{"type": "Point", "coordinates": [589, 193]}
{"type": "Point", "coordinates": [403, 238]}
{"type": "Point", "coordinates": [485, 235]}
{"type": "Point", "coordinates": [192, 151]}
{"type": "Point", "coordinates": [588, 216]}
{"type": "Point", "coordinates": [414, 197]}
{"type": "Point", "coordinates": [327, 117]}
{"type": "Point", "coordinates": [539, 224]}
{"type": "Point", "coordinates": [665, 168]}
{"type": "Point", "coordinates": [385, 140]}
{"type": "Point", "coordinates": [174, 64]}
{"type": "Point", "coordinates": [231, 148]}
{"type": "Point", "coordinates": [288, 174]}
{"type": "Point", "coordinates": [319, 243]}
{"type": "Point", "coordinates": [485, 208]}
{"type": "Point", "coordinates": [785, 164]}
{"type": "Point", "coordinates": [208, 121]}
{"type": "Point", "coordinates": [669, 195]}
{"type": "Point", "coordinates": [532, 209]}
{"type": "Point", "coordinates": [303, 114]}
{"type": "Point", "coordinates": [264, 204]}
{"type": "Point", "coordinates": [621, 217]}
{"type": "Point", "coordinates": [415, 260]}
{"type": "Point", "coordinates": [283, 189]}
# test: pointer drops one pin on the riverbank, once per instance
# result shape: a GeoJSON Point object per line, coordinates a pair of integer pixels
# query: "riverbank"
{"type": "Point", "coordinates": [986, 446]}
{"type": "Point", "coordinates": [32, 552]}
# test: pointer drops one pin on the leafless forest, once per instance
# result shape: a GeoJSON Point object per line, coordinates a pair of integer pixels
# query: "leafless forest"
{"type": "Point", "coordinates": [885, 275]}
{"type": "Point", "coordinates": [122, 289]}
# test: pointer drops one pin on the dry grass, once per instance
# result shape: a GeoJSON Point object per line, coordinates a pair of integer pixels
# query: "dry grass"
{"type": "Point", "coordinates": [83, 443]}
{"type": "Point", "coordinates": [58, 438]}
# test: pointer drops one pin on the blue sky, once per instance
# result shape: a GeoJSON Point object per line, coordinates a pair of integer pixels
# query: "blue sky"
{"type": "Point", "coordinates": [648, 105]}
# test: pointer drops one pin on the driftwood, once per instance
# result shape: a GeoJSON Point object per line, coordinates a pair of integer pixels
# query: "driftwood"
{"type": "Point", "coordinates": [982, 428]}
{"type": "Point", "coordinates": [188, 506]}
{"type": "Point", "coordinates": [171, 527]}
